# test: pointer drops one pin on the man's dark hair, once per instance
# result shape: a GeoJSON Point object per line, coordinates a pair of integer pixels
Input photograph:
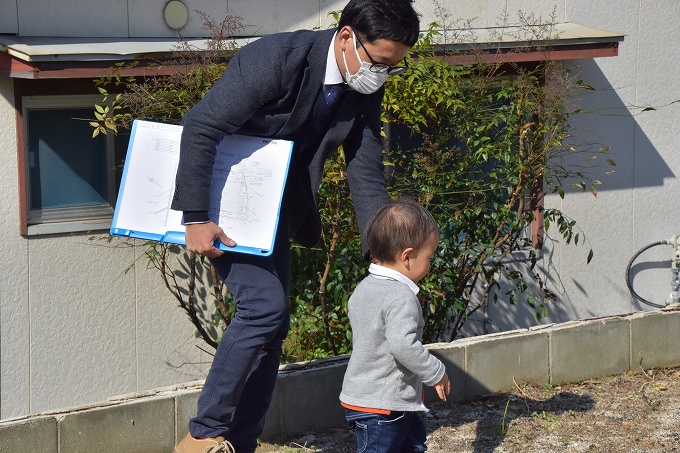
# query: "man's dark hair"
{"type": "Point", "coordinates": [396, 226]}
{"type": "Point", "coordinates": [394, 20]}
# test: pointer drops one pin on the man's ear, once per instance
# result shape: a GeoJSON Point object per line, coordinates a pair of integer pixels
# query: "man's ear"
{"type": "Point", "coordinates": [344, 38]}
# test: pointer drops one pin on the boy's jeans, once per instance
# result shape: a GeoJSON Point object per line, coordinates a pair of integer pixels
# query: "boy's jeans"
{"type": "Point", "coordinates": [399, 432]}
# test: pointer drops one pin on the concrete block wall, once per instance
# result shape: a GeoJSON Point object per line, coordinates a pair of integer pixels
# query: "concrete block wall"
{"type": "Point", "coordinates": [305, 397]}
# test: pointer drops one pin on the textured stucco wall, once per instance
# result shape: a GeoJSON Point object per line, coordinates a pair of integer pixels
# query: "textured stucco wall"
{"type": "Point", "coordinates": [74, 326]}
{"type": "Point", "coordinates": [144, 18]}
{"type": "Point", "coordinates": [636, 205]}
{"type": "Point", "coordinates": [14, 295]}
{"type": "Point", "coordinates": [137, 18]}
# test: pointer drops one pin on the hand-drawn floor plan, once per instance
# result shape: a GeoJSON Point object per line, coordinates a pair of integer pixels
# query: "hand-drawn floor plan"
{"type": "Point", "coordinates": [247, 185]}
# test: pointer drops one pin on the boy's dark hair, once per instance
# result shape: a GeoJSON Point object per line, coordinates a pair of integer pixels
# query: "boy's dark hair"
{"type": "Point", "coordinates": [394, 20]}
{"type": "Point", "coordinates": [396, 226]}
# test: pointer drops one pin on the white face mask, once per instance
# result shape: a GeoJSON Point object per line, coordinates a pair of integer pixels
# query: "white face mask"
{"type": "Point", "coordinates": [364, 81]}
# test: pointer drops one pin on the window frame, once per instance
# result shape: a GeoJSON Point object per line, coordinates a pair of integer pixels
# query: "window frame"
{"type": "Point", "coordinates": [61, 220]}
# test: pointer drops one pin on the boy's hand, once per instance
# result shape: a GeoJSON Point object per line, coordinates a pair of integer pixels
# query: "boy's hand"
{"type": "Point", "coordinates": [443, 387]}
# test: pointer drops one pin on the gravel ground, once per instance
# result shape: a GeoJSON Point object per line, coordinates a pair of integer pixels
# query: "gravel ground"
{"type": "Point", "coordinates": [632, 412]}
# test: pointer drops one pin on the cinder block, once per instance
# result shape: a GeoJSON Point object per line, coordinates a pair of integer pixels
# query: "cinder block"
{"type": "Point", "coordinates": [497, 363]}
{"type": "Point", "coordinates": [309, 399]}
{"type": "Point", "coordinates": [654, 339]}
{"type": "Point", "coordinates": [453, 357]}
{"type": "Point", "coordinates": [27, 435]}
{"type": "Point", "coordinates": [187, 405]}
{"type": "Point", "coordinates": [144, 426]}
{"type": "Point", "coordinates": [589, 348]}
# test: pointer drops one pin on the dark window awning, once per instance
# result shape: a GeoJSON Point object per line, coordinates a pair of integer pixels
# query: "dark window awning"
{"type": "Point", "coordinates": [517, 44]}
{"type": "Point", "coordinates": [50, 57]}
{"type": "Point", "coordinates": [33, 57]}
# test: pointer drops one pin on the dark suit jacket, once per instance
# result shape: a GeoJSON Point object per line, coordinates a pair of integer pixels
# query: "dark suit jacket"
{"type": "Point", "coordinates": [268, 90]}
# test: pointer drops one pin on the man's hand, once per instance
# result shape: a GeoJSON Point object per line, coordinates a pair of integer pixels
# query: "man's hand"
{"type": "Point", "coordinates": [443, 387]}
{"type": "Point", "coordinates": [200, 238]}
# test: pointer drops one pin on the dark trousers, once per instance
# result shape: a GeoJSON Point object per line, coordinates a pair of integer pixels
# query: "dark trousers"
{"type": "Point", "coordinates": [239, 386]}
{"type": "Point", "coordinates": [398, 432]}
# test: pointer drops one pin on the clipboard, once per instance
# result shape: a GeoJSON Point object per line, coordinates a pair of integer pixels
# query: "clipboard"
{"type": "Point", "coordinates": [246, 193]}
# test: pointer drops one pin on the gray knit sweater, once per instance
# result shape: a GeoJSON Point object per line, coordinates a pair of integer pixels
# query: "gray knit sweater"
{"type": "Point", "coordinates": [389, 363]}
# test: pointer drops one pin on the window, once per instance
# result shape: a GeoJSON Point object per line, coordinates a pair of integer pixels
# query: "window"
{"type": "Point", "coordinates": [71, 179]}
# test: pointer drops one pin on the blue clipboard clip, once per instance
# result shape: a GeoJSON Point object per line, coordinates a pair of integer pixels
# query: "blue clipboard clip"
{"type": "Point", "coordinates": [178, 238]}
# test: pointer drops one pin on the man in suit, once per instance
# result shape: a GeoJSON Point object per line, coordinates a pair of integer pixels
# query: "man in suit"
{"type": "Point", "coordinates": [321, 89]}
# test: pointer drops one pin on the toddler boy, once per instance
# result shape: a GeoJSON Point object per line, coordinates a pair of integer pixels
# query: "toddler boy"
{"type": "Point", "coordinates": [382, 388]}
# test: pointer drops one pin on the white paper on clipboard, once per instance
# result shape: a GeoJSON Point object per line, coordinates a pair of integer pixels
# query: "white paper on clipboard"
{"type": "Point", "coordinates": [246, 189]}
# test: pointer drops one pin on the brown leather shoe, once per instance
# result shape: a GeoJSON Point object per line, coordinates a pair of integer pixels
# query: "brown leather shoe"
{"type": "Point", "coordinates": [209, 445]}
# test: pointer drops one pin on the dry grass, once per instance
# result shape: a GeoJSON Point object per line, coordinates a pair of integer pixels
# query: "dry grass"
{"type": "Point", "coordinates": [632, 412]}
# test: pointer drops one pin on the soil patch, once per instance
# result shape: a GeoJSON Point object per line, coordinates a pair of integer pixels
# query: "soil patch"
{"type": "Point", "coordinates": [632, 412]}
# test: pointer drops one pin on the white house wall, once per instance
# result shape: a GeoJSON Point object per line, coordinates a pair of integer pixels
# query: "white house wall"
{"type": "Point", "coordinates": [657, 160]}
{"type": "Point", "coordinates": [8, 16]}
{"type": "Point", "coordinates": [144, 18]}
{"type": "Point", "coordinates": [14, 317]}
{"type": "Point", "coordinates": [599, 287]}
{"type": "Point", "coordinates": [636, 205]}
{"type": "Point", "coordinates": [83, 326]}
{"type": "Point", "coordinates": [75, 329]}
